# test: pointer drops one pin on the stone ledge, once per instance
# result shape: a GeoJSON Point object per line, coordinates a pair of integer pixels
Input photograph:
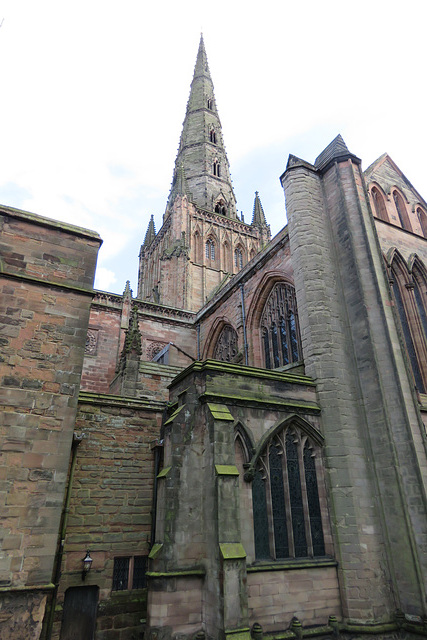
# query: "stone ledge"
{"type": "Point", "coordinates": [306, 407]}
{"type": "Point", "coordinates": [87, 397]}
{"type": "Point", "coordinates": [26, 587]}
{"type": "Point", "coordinates": [245, 371]}
{"type": "Point", "coordinates": [289, 565]}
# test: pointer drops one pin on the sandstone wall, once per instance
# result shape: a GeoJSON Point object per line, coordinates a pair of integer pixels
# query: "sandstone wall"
{"type": "Point", "coordinates": [46, 279]}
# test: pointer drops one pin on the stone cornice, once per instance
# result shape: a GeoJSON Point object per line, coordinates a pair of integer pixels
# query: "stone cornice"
{"type": "Point", "coordinates": [34, 218]}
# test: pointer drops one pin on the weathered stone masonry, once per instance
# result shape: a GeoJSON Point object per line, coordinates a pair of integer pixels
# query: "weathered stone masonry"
{"type": "Point", "coordinates": [47, 272]}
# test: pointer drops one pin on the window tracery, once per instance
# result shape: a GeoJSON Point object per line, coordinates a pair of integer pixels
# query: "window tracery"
{"type": "Point", "coordinates": [279, 327]}
{"type": "Point", "coordinates": [216, 169]}
{"type": "Point", "coordinates": [212, 136]}
{"type": "Point", "coordinates": [285, 495]}
{"type": "Point", "coordinates": [226, 347]}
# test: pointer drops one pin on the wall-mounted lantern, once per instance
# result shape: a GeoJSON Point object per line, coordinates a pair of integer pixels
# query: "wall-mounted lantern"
{"type": "Point", "coordinates": [87, 563]}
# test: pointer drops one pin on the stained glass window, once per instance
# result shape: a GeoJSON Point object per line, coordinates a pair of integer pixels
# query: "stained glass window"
{"type": "Point", "coordinates": [313, 503]}
{"type": "Point", "coordinates": [285, 496]}
{"type": "Point", "coordinates": [262, 544]}
{"type": "Point", "coordinates": [295, 496]}
{"type": "Point", "coordinates": [278, 503]}
{"type": "Point", "coordinates": [279, 327]}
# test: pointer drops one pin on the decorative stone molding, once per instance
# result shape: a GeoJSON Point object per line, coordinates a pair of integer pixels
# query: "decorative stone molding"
{"type": "Point", "coordinates": [91, 345]}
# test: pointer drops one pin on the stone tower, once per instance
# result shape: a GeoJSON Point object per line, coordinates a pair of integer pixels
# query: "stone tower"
{"type": "Point", "coordinates": [202, 242]}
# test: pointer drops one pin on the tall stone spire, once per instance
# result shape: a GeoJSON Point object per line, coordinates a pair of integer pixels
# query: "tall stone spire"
{"type": "Point", "coordinates": [201, 154]}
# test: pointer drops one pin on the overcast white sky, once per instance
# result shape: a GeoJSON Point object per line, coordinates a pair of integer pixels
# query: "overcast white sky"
{"type": "Point", "coordinates": [94, 95]}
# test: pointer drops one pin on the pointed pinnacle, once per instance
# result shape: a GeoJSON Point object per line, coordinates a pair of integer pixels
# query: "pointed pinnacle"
{"type": "Point", "coordinates": [258, 216]}
{"type": "Point", "coordinates": [127, 291]}
{"type": "Point", "coordinates": [151, 232]}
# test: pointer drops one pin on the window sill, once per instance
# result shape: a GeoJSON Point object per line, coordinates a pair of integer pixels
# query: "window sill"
{"type": "Point", "coordinates": [291, 564]}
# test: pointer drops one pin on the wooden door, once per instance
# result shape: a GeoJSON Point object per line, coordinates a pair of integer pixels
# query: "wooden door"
{"type": "Point", "coordinates": [79, 617]}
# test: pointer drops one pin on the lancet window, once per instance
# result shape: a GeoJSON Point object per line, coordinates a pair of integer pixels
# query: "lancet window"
{"type": "Point", "coordinates": [210, 249]}
{"type": "Point", "coordinates": [212, 136]}
{"type": "Point", "coordinates": [238, 258]}
{"type": "Point", "coordinates": [379, 204]}
{"type": "Point", "coordinates": [401, 211]}
{"type": "Point", "coordinates": [216, 169]}
{"type": "Point", "coordinates": [285, 496]}
{"type": "Point", "coordinates": [279, 327]}
{"type": "Point", "coordinates": [423, 221]}
{"type": "Point", "coordinates": [226, 347]}
{"type": "Point", "coordinates": [410, 300]}
{"type": "Point", "coordinates": [210, 103]}
{"type": "Point", "coordinates": [221, 208]}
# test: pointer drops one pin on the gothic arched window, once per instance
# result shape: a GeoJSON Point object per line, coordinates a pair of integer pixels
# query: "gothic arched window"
{"type": "Point", "coordinates": [221, 208]}
{"type": "Point", "coordinates": [238, 257]}
{"type": "Point", "coordinates": [212, 136]}
{"type": "Point", "coordinates": [210, 249]}
{"type": "Point", "coordinates": [226, 345]}
{"type": "Point", "coordinates": [216, 169]}
{"type": "Point", "coordinates": [409, 297]}
{"type": "Point", "coordinates": [423, 220]}
{"type": "Point", "coordinates": [420, 296]}
{"type": "Point", "coordinates": [279, 327]}
{"type": "Point", "coordinates": [379, 205]}
{"type": "Point", "coordinates": [210, 103]}
{"type": "Point", "coordinates": [401, 211]}
{"type": "Point", "coordinates": [285, 496]}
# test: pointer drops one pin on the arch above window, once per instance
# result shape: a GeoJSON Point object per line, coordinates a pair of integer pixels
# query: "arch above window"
{"type": "Point", "coordinates": [212, 136]}
{"type": "Point", "coordinates": [210, 103]}
{"type": "Point", "coordinates": [226, 347]}
{"type": "Point", "coordinates": [285, 495]}
{"type": "Point", "coordinates": [279, 327]}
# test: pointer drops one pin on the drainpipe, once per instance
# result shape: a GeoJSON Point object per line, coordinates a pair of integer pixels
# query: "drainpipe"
{"type": "Point", "coordinates": [242, 292]}
{"type": "Point", "coordinates": [60, 552]}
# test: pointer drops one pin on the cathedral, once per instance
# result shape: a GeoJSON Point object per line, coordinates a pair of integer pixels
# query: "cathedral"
{"type": "Point", "coordinates": [238, 451]}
